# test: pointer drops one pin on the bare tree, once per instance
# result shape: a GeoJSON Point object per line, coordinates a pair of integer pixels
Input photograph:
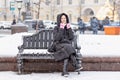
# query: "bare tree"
{"type": "Point", "coordinates": [5, 10]}
{"type": "Point", "coordinates": [118, 9]}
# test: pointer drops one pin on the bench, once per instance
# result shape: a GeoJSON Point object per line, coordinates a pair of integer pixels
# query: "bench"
{"type": "Point", "coordinates": [34, 47]}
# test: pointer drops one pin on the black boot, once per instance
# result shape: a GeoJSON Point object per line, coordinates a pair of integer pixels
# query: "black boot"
{"type": "Point", "coordinates": [65, 66]}
{"type": "Point", "coordinates": [76, 63]}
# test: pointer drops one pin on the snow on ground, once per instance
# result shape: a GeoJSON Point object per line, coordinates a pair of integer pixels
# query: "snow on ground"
{"type": "Point", "coordinates": [100, 45]}
{"type": "Point", "coordinates": [9, 44]}
{"type": "Point", "coordinates": [91, 45]}
{"type": "Point", "coordinates": [85, 75]}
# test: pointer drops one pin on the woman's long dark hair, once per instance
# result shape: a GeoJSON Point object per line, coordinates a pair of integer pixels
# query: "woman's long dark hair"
{"type": "Point", "coordinates": [59, 18]}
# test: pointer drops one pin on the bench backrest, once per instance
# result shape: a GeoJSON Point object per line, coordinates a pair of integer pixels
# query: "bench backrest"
{"type": "Point", "coordinates": [41, 40]}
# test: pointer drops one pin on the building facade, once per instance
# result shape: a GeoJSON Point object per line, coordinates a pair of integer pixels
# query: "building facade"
{"type": "Point", "coordinates": [49, 9]}
{"type": "Point", "coordinates": [76, 8]}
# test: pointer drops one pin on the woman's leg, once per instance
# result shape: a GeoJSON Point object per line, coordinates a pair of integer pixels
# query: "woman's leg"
{"type": "Point", "coordinates": [65, 67]}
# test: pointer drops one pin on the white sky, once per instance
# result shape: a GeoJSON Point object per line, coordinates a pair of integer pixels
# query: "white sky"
{"type": "Point", "coordinates": [91, 45]}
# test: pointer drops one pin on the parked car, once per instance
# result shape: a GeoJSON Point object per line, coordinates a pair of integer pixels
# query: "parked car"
{"type": "Point", "coordinates": [5, 24]}
{"type": "Point", "coordinates": [74, 26]}
{"type": "Point", "coordinates": [40, 24]}
{"type": "Point", "coordinates": [29, 23]}
{"type": "Point", "coordinates": [32, 24]}
{"type": "Point", "coordinates": [51, 25]}
{"type": "Point", "coordinates": [47, 22]}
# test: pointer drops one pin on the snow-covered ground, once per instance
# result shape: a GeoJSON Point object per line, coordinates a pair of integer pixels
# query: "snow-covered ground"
{"type": "Point", "coordinates": [85, 75]}
{"type": "Point", "coordinates": [91, 45]}
{"type": "Point", "coordinates": [100, 45]}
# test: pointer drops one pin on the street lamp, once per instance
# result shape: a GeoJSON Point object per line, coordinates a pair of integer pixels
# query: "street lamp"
{"type": "Point", "coordinates": [19, 27]}
{"type": "Point", "coordinates": [19, 6]}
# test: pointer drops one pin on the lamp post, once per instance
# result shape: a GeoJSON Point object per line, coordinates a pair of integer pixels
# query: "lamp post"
{"type": "Point", "coordinates": [19, 27]}
{"type": "Point", "coordinates": [19, 6]}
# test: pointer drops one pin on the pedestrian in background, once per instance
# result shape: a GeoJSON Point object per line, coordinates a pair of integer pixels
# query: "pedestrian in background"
{"type": "Point", "coordinates": [14, 22]}
{"type": "Point", "coordinates": [106, 21]}
{"type": "Point", "coordinates": [62, 44]}
{"type": "Point", "coordinates": [81, 26]}
{"type": "Point", "coordinates": [95, 25]}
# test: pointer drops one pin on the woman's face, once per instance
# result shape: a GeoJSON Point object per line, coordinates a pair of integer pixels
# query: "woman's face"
{"type": "Point", "coordinates": [63, 19]}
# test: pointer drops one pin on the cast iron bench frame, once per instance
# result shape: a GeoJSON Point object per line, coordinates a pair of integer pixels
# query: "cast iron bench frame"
{"type": "Point", "coordinates": [41, 40]}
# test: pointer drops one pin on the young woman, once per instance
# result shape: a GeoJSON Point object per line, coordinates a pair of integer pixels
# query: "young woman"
{"type": "Point", "coordinates": [62, 47]}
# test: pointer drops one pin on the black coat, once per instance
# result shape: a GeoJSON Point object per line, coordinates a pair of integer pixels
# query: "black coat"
{"type": "Point", "coordinates": [62, 46]}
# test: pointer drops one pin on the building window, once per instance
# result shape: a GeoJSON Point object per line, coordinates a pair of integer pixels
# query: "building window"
{"type": "Point", "coordinates": [58, 2]}
{"type": "Point", "coordinates": [70, 1]}
{"type": "Point", "coordinates": [110, 0]}
{"type": "Point", "coordinates": [82, 1]}
{"type": "Point", "coordinates": [47, 2]}
{"type": "Point", "coordinates": [95, 1]}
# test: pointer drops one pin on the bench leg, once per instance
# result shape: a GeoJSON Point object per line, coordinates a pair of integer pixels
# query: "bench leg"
{"type": "Point", "coordinates": [19, 64]}
{"type": "Point", "coordinates": [79, 62]}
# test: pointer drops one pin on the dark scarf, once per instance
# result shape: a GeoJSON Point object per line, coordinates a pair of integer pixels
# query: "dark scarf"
{"type": "Point", "coordinates": [65, 32]}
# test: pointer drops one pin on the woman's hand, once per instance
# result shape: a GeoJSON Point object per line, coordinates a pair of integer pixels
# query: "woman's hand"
{"type": "Point", "coordinates": [62, 25]}
{"type": "Point", "coordinates": [68, 26]}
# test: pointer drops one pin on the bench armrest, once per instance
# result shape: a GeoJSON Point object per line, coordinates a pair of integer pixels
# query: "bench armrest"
{"type": "Point", "coordinates": [20, 48]}
{"type": "Point", "coordinates": [78, 46]}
